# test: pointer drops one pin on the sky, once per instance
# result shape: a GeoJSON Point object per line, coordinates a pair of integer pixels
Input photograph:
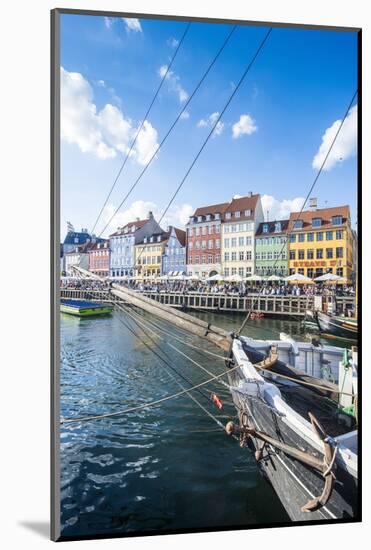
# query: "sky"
{"type": "Point", "coordinates": [272, 138]}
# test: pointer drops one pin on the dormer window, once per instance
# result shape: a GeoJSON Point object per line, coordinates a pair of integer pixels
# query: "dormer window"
{"type": "Point", "coordinates": [208, 217]}
{"type": "Point", "coordinates": [247, 212]}
{"type": "Point", "coordinates": [337, 220]}
{"type": "Point", "coordinates": [298, 224]}
{"type": "Point", "coordinates": [217, 216]}
{"type": "Point", "coordinates": [151, 240]}
{"type": "Point", "coordinates": [159, 239]}
{"type": "Point", "coordinates": [237, 214]}
{"type": "Point", "coordinates": [265, 228]}
{"type": "Point", "coordinates": [145, 239]}
{"type": "Point", "coordinates": [76, 239]}
{"type": "Point", "coordinates": [199, 218]}
{"type": "Point", "coordinates": [277, 227]}
{"type": "Point", "coordinates": [316, 222]}
{"type": "Point", "coordinates": [228, 216]}
{"type": "Point", "coordinates": [133, 228]}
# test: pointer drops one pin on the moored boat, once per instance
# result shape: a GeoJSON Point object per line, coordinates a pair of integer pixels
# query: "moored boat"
{"type": "Point", "coordinates": [337, 325]}
{"type": "Point", "coordinates": [83, 308]}
{"type": "Point", "coordinates": [305, 443]}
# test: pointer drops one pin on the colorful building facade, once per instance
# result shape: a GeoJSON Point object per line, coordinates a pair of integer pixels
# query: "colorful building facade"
{"type": "Point", "coordinates": [204, 240]}
{"type": "Point", "coordinates": [321, 241]}
{"type": "Point", "coordinates": [99, 259]}
{"type": "Point", "coordinates": [148, 254]}
{"type": "Point", "coordinates": [240, 220]}
{"type": "Point", "coordinates": [271, 256]}
{"type": "Point", "coordinates": [174, 256]}
{"type": "Point", "coordinates": [123, 241]}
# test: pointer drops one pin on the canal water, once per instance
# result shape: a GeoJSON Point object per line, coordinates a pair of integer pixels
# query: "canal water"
{"type": "Point", "coordinates": [167, 468]}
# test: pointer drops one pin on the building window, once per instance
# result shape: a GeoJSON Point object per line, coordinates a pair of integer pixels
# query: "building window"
{"type": "Point", "coordinates": [248, 241]}
{"type": "Point", "coordinates": [217, 229]}
{"type": "Point", "coordinates": [329, 235]}
{"type": "Point", "coordinates": [247, 213]}
{"type": "Point", "coordinates": [339, 271]}
{"type": "Point", "coordinates": [248, 271]}
{"type": "Point", "coordinates": [264, 255]}
{"type": "Point", "coordinates": [228, 216]}
{"type": "Point", "coordinates": [210, 259]}
{"type": "Point", "coordinates": [190, 246]}
{"type": "Point", "coordinates": [241, 256]}
{"type": "Point", "coordinates": [292, 238]}
{"type": "Point", "coordinates": [277, 227]}
{"type": "Point", "coordinates": [190, 232]}
{"type": "Point", "coordinates": [203, 230]}
{"type": "Point", "coordinates": [226, 256]}
{"type": "Point", "coordinates": [320, 236]}
{"type": "Point", "coordinates": [316, 222]}
{"type": "Point", "coordinates": [339, 252]}
{"type": "Point", "coordinates": [265, 228]}
{"type": "Point", "coordinates": [199, 218]}
{"type": "Point", "coordinates": [310, 254]}
{"type": "Point", "coordinates": [217, 216]}
{"type": "Point", "coordinates": [310, 237]}
{"type": "Point", "coordinates": [301, 254]}
{"type": "Point", "coordinates": [258, 256]}
{"type": "Point", "coordinates": [339, 234]}
{"type": "Point", "coordinates": [269, 256]}
{"type": "Point", "coordinates": [237, 214]}
{"type": "Point", "coordinates": [233, 242]}
{"type": "Point", "coordinates": [329, 253]}
{"type": "Point", "coordinates": [301, 271]}
{"type": "Point", "coordinates": [208, 217]}
{"type": "Point", "coordinates": [248, 255]}
{"type": "Point", "coordinates": [298, 224]}
{"type": "Point", "coordinates": [226, 243]}
{"type": "Point", "coordinates": [292, 254]}
{"type": "Point", "coordinates": [319, 253]}
{"type": "Point", "coordinates": [241, 241]}
{"type": "Point", "coordinates": [197, 259]}
{"type": "Point", "coordinates": [337, 220]}
{"type": "Point", "coordinates": [203, 244]}
{"type": "Point", "coordinates": [226, 271]}
{"type": "Point", "coordinates": [240, 271]}
{"type": "Point", "coordinates": [203, 259]}
{"type": "Point", "coordinates": [211, 243]}
{"type": "Point", "coordinates": [217, 243]}
{"type": "Point", "coordinates": [233, 256]}
{"type": "Point", "coordinates": [310, 272]}
{"type": "Point", "coordinates": [301, 237]}
{"type": "Point", "coordinates": [197, 231]}
{"type": "Point", "coordinates": [217, 258]}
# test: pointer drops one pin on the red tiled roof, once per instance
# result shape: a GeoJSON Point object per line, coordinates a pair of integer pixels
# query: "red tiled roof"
{"type": "Point", "coordinates": [181, 235]}
{"type": "Point", "coordinates": [241, 205]}
{"type": "Point", "coordinates": [138, 224]}
{"type": "Point", "coordinates": [324, 213]}
{"type": "Point", "coordinates": [212, 209]}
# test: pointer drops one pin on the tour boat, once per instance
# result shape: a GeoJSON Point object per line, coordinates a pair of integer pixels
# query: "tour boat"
{"type": "Point", "coordinates": [84, 308]}
{"type": "Point", "coordinates": [305, 443]}
{"type": "Point", "coordinates": [337, 325]}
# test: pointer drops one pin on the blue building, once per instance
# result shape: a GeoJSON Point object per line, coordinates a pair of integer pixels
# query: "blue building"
{"type": "Point", "coordinates": [174, 256]}
{"type": "Point", "coordinates": [123, 241]}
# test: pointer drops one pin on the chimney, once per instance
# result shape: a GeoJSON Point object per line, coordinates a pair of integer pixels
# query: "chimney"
{"type": "Point", "coordinates": [313, 203]}
{"type": "Point", "coordinates": [137, 219]}
{"type": "Point", "coordinates": [249, 194]}
{"type": "Point", "coordinates": [150, 214]}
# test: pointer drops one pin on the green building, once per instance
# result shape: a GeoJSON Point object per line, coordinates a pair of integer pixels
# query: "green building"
{"type": "Point", "coordinates": [271, 256]}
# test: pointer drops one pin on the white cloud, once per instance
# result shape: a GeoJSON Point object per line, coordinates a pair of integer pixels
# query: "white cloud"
{"type": "Point", "coordinates": [108, 21]}
{"type": "Point", "coordinates": [210, 121]}
{"type": "Point", "coordinates": [178, 215]}
{"type": "Point", "coordinates": [345, 145]}
{"type": "Point", "coordinates": [103, 133]}
{"type": "Point", "coordinates": [184, 115]}
{"type": "Point", "coordinates": [280, 210]}
{"type": "Point", "coordinates": [102, 83]}
{"type": "Point", "coordinates": [173, 42]}
{"type": "Point", "coordinates": [174, 83]}
{"type": "Point", "coordinates": [132, 24]}
{"type": "Point", "coordinates": [245, 125]}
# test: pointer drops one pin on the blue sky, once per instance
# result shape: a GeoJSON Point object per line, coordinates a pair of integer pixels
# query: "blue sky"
{"type": "Point", "coordinates": [299, 86]}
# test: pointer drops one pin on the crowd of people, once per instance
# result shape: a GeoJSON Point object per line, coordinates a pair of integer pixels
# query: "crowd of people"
{"type": "Point", "coordinates": [201, 287]}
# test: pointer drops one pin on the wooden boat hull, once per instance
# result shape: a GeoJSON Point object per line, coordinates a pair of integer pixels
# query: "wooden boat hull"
{"type": "Point", "coordinates": [294, 482]}
{"type": "Point", "coordinates": [337, 326]}
{"type": "Point", "coordinates": [80, 308]}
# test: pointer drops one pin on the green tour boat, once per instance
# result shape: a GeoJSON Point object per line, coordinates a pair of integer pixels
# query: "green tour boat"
{"type": "Point", "coordinates": [83, 308]}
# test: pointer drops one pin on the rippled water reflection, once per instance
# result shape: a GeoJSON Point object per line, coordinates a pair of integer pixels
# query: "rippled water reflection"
{"type": "Point", "coordinates": [164, 468]}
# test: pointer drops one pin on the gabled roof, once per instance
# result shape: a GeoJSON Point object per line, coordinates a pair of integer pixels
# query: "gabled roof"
{"type": "Point", "coordinates": [100, 246]}
{"type": "Point", "coordinates": [212, 209]}
{"type": "Point", "coordinates": [180, 235]}
{"type": "Point", "coordinates": [163, 237]}
{"type": "Point", "coordinates": [128, 227]}
{"type": "Point", "coordinates": [242, 205]}
{"type": "Point", "coordinates": [272, 227]}
{"type": "Point", "coordinates": [72, 235]}
{"type": "Point", "coordinates": [325, 214]}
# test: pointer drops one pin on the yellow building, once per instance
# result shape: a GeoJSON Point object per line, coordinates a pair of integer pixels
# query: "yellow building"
{"type": "Point", "coordinates": [148, 254]}
{"type": "Point", "coordinates": [321, 241]}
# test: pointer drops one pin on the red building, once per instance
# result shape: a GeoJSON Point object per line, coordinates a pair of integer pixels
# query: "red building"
{"type": "Point", "coordinates": [204, 240]}
{"type": "Point", "coordinates": [99, 256]}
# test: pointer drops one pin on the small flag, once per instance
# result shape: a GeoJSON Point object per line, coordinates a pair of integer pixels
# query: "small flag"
{"type": "Point", "coordinates": [70, 227]}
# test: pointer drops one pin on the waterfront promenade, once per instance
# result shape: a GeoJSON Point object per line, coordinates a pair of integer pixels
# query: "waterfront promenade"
{"type": "Point", "coordinates": [274, 305]}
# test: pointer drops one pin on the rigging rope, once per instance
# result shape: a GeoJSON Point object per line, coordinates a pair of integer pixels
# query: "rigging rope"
{"type": "Point", "coordinates": [170, 129]}
{"type": "Point", "coordinates": [305, 201]}
{"type": "Point", "coordinates": [244, 74]}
